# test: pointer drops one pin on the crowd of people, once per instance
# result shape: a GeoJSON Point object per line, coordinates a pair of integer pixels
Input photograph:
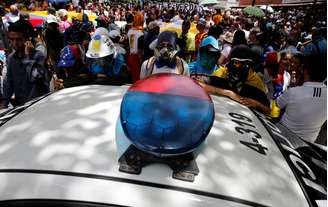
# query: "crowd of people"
{"type": "Point", "coordinates": [276, 64]}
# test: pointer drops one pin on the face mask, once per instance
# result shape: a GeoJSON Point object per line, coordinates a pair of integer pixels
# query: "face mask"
{"type": "Point", "coordinates": [208, 59]}
{"type": "Point", "coordinates": [165, 55]}
{"type": "Point", "coordinates": [238, 71]}
{"type": "Point", "coordinates": [101, 65]}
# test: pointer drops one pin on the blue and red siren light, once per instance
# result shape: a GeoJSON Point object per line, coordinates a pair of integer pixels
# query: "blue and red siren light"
{"type": "Point", "coordinates": [166, 114]}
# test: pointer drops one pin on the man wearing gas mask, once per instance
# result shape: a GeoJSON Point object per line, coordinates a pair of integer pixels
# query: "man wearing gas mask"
{"type": "Point", "coordinates": [165, 59]}
{"type": "Point", "coordinates": [239, 81]}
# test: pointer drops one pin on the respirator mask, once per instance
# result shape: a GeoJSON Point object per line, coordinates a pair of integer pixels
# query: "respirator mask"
{"type": "Point", "coordinates": [165, 53]}
{"type": "Point", "coordinates": [238, 70]}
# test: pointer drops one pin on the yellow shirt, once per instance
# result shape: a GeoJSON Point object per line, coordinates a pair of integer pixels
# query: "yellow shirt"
{"type": "Point", "coordinates": [190, 42]}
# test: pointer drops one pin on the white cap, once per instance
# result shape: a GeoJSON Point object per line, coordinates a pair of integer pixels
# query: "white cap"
{"type": "Point", "coordinates": [100, 46]}
{"type": "Point", "coordinates": [52, 19]}
{"type": "Point", "coordinates": [62, 12]}
{"type": "Point", "coordinates": [101, 31]}
{"type": "Point", "coordinates": [114, 34]}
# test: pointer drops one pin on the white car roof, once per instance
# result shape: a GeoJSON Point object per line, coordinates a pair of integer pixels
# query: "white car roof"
{"type": "Point", "coordinates": [67, 146]}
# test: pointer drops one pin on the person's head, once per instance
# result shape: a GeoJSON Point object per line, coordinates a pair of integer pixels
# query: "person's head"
{"type": "Point", "coordinates": [19, 32]}
{"type": "Point", "coordinates": [315, 67]}
{"type": "Point", "coordinates": [52, 11]}
{"type": "Point", "coordinates": [115, 36]}
{"type": "Point", "coordinates": [153, 27]}
{"type": "Point", "coordinates": [185, 26]}
{"type": "Point", "coordinates": [70, 60]}
{"type": "Point", "coordinates": [102, 21]}
{"type": "Point", "coordinates": [254, 35]}
{"type": "Point", "coordinates": [227, 37]}
{"type": "Point", "coordinates": [138, 21]}
{"type": "Point", "coordinates": [215, 31]}
{"type": "Point", "coordinates": [241, 64]}
{"type": "Point", "coordinates": [166, 48]}
{"type": "Point", "coordinates": [284, 62]}
{"type": "Point", "coordinates": [14, 10]}
{"type": "Point", "coordinates": [24, 16]}
{"type": "Point", "coordinates": [101, 51]}
{"type": "Point", "coordinates": [129, 17]}
{"type": "Point", "coordinates": [296, 62]}
{"type": "Point", "coordinates": [239, 38]}
{"type": "Point", "coordinates": [52, 22]}
{"type": "Point", "coordinates": [209, 52]}
{"type": "Point", "coordinates": [196, 18]}
{"type": "Point", "coordinates": [201, 25]}
{"type": "Point", "coordinates": [62, 13]}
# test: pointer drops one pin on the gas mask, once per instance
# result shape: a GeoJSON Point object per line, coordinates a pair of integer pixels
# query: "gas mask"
{"type": "Point", "coordinates": [238, 71]}
{"type": "Point", "coordinates": [165, 55]}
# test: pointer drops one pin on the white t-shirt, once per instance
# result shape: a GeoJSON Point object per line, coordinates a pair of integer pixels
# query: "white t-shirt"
{"type": "Point", "coordinates": [164, 69]}
{"type": "Point", "coordinates": [226, 50]}
{"type": "Point", "coordinates": [286, 80]}
{"type": "Point", "coordinates": [133, 36]}
{"type": "Point", "coordinates": [306, 109]}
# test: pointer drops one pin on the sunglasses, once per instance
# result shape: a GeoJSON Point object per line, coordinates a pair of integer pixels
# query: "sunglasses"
{"type": "Point", "coordinates": [241, 63]}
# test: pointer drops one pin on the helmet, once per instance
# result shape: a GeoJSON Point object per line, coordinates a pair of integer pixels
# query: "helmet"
{"type": "Point", "coordinates": [101, 31]}
{"type": "Point", "coordinates": [100, 46]}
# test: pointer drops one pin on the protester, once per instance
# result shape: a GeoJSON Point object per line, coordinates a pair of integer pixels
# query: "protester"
{"type": "Point", "coordinates": [105, 62]}
{"type": "Point", "coordinates": [63, 23]}
{"type": "Point", "coordinates": [305, 106]}
{"type": "Point", "coordinates": [150, 36]}
{"type": "Point", "coordinates": [207, 56]}
{"type": "Point", "coordinates": [136, 39]}
{"type": "Point", "coordinates": [201, 26]}
{"type": "Point", "coordinates": [116, 38]}
{"type": "Point", "coordinates": [186, 42]}
{"type": "Point", "coordinates": [165, 58]}
{"type": "Point", "coordinates": [279, 42]}
{"type": "Point", "coordinates": [27, 76]}
{"type": "Point", "coordinates": [239, 81]}
{"type": "Point", "coordinates": [227, 45]}
{"type": "Point", "coordinates": [53, 40]}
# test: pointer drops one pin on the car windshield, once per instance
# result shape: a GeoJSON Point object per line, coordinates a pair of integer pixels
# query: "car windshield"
{"type": "Point", "coordinates": [308, 162]}
{"type": "Point", "coordinates": [10, 113]}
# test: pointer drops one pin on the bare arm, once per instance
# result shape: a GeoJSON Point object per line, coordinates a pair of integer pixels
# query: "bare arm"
{"type": "Point", "coordinates": [255, 104]}
{"type": "Point", "coordinates": [220, 91]}
{"type": "Point", "coordinates": [232, 95]}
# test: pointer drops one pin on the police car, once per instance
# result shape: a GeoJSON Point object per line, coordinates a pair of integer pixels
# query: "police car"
{"type": "Point", "coordinates": [160, 142]}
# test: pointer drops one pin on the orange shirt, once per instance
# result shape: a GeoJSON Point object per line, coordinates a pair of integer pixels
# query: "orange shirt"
{"type": "Point", "coordinates": [198, 39]}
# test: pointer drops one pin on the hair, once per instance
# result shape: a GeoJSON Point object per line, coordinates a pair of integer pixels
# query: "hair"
{"type": "Point", "coordinates": [52, 10]}
{"type": "Point", "coordinates": [186, 22]}
{"type": "Point", "coordinates": [215, 31]}
{"type": "Point", "coordinates": [300, 57]}
{"type": "Point", "coordinates": [22, 26]}
{"type": "Point", "coordinates": [239, 38]}
{"type": "Point", "coordinates": [316, 66]}
{"type": "Point", "coordinates": [129, 17]}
